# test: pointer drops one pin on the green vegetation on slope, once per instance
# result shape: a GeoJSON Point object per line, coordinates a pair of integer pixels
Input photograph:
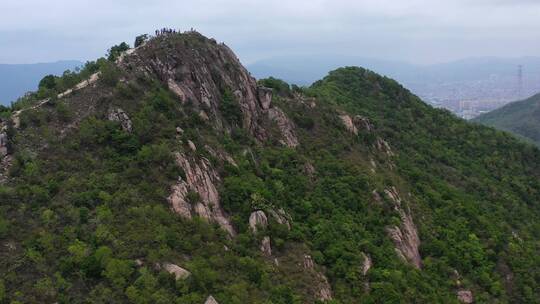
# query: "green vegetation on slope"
{"type": "Point", "coordinates": [521, 118]}
{"type": "Point", "coordinates": [80, 210]}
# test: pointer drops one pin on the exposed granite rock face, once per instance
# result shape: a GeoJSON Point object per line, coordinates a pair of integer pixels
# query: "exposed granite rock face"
{"type": "Point", "coordinates": [201, 178]}
{"type": "Point", "coordinates": [363, 123]}
{"type": "Point", "coordinates": [308, 262]}
{"type": "Point", "coordinates": [192, 146]}
{"type": "Point", "coordinates": [210, 300]}
{"type": "Point", "coordinates": [324, 291]}
{"type": "Point", "coordinates": [257, 219]}
{"type": "Point", "coordinates": [348, 123]}
{"type": "Point", "coordinates": [285, 125]}
{"type": "Point", "coordinates": [221, 155]}
{"type": "Point", "coordinates": [356, 124]}
{"type": "Point", "coordinates": [3, 144]}
{"type": "Point", "coordinates": [281, 217]}
{"type": "Point", "coordinates": [367, 264]}
{"type": "Point", "coordinates": [266, 247]}
{"type": "Point", "coordinates": [198, 70]}
{"type": "Point", "coordinates": [393, 195]}
{"type": "Point", "coordinates": [5, 158]}
{"type": "Point", "coordinates": [265, 97]}
{"type": "Point", "coordinates": [178, 272]}
{"type": "Point", "coordinates": [383, 147]}
{"type": "Point", "coordinates": [405, 237]}
{"type": "Point", "coordinates": [465, 296]}
{"type": "Point", "coordinates": [120, 116]}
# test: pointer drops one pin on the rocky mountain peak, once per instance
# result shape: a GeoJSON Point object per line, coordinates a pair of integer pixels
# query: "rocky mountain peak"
{"type": "Point", "coordinates": [200, 72]}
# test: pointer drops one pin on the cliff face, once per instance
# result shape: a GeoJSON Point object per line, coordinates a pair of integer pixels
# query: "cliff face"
{"type": "Point", "coordinates": [200, 179]}
{"type": "Point", "coordinates": [199, 71]}
{"type": "Point", "coordinates": [405, 236]}
{"type": "Point", "coordinates": [172, 176]}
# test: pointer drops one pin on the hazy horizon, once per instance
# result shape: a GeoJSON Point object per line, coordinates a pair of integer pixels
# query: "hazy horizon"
{"type": "Point", "coordinates": [418, 32]}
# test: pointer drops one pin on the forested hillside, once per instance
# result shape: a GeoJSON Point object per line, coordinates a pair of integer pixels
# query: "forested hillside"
{"type": "Point", "coordinates": [170, 175]}
{"type": "Point", "coordinates": [521, 118]}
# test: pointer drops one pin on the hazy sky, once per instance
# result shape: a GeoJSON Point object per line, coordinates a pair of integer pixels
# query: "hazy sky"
{"type": "Point", "coordinates": [422, 31]}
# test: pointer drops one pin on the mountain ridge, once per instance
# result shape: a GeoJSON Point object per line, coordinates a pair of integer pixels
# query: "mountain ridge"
{"type": "Point", "coordinates": [519, 117]}
{"type": "Point", "coordinates": [17, 79]}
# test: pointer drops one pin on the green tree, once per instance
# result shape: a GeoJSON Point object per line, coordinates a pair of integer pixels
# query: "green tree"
{"type": "Point", "coordinates": [230, 108]}
{"type": "Point", "coordinates": [139, 40]}
{"type": "Point", "coordinates": [48, 82]}
{"type": "Point", "coordinates": [116, 50]}
{"type": "Point", "coordinates": [118, 272]}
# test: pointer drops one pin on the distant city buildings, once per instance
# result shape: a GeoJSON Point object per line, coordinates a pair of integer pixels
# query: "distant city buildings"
{"type": "Point", "coordinates": [468, 99]}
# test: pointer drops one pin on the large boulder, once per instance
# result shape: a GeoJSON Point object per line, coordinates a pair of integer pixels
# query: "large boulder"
{"type": "Point", "coordinates": [465, 296]}
{"type": "Point", "coordinates": [266, 247]}
{"type": "Point", "coordinates": [120, 116]}
{"type": "Point", "coordinates": [210, 300]}
{"type": "Point", "coordinates": [257, 219]}
{"type": "Point", "coordinates": [349, 124]}
{"type": "Point", "coordinates": [265, 97]}
{"type": "Point", "coordinates": [356, 124]}
{"type": "Point", "coordinates": [178, 272]}
{"type": "Point", "coordinates": [367, 264]}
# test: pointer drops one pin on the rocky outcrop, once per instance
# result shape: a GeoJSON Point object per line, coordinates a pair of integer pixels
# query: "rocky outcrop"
{"type": "Point", "coordinates": [257, 219]}
{"type": "Point", "coordinates": [367, 264]}
{"type": "Point", "coordinates": [281, 217]}
{"type": "Point", "coordinates": [266, 247]}
{"type": "Point", "coordinates": [3, 144]}
{"type": "Point", "coordinates": [465, 296]}
{"type": "Point", "coordinates": [324, 291]}
{"type": "Point", "coordinates": [308, 262]}
{"type": "Point", "coordinates": [383, 146]}
{"type": "Point", "coordinates": [192, 146]}
{"type": "Point", "coordinates": [405, 236]}
{"type": "Point", "coordinates": [393, 195]}
{"type": "Point", "coordinates": [120, 116]}
{"type": "Point", "coordinates": [221, 155]}
{"type": "Point", "coordinates": [363, 123]}
{"type": "Point", "coordinates": [5, 158]}
{"type": "Point", "coordinates": [356, 124]}
{"type": "Point", "coordinates": [265, 97]}
{"type": "Point", "coordinates": [178, 272]}
{"type": "Point", "coordinates": [210, 300]}
{"type": "Point", "coordinates": [198, 71]}
{"type": "Point", "coordinates": [348, 123]}
{"type": "Point", "coordinates": [285, 125]}
{"type": "Point", "coordinates": [200, 178]}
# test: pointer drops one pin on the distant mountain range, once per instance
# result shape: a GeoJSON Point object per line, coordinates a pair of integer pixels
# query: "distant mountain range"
{"type": "Point", "coordinates": [485, 79]}
{"type": "Point", "coordinates": [520, 117]}
{"type": "Point", "coordinates": [17, 79]}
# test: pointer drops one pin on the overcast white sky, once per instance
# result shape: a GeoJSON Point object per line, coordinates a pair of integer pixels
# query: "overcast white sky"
{"type": "Point", "coordinates": [421, 31]}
